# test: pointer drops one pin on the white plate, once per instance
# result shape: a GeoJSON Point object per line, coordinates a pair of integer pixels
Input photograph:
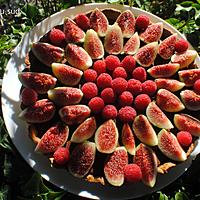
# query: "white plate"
{"type": "Point", "coordinates": [18, 129]}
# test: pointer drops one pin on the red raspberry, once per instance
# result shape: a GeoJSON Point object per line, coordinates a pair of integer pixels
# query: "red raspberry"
{"type": "Point", "coordinates": [99, 66]}
{"type": "Point", "coordinates": [149, 87]}
{"type": "Point", "coordinates": [119, 72]}
{"type": "Point", "coordinates": [125, 98]}
{"type": "Point", "coordinates": [90, 75]}
{"type": "Point", "coordinates": [89, 90]}
{"type": "Point", "coordinates": [82, 21]}
{"type": "Point", "coordinates": [134, 86]}
{"type": "Point", "coordinates": [61, 156]}
{"type": "Point", "coordinates": [96, 104]}
{"type": "Point", "coordinates": [104, 80]}
{"type": "Point", "coordinates": [142, 101]}
{"type": "Point", "coordinates": [184, 138]}
{"type": "Point", "coordinates": [142, 22]}
{"type": "Point", "coordinates": [140, 74]}
{"type": "Point", "coordinates": [127, 114]}
{"type": "Point", "coordinates": [109, 112]}
{"type": "Point", "coordinates": [128, 63]}
{"type": "Point", "coordinates": [197, 86]}
{"type": "Point", "coordinates": [181, 45]}
{"type": "Point", "coordinates": [132, 173]}
{"type": "Point", "coordinates": [108, 95]}
{"type": "Point", "coordinates": [29, 96]}
{"type": "Point", "coordinates": [119, 85]}
{"type": "Point", "coordinates": [112, 62]}
{"type": "Point", "coordinates": [57, 37]}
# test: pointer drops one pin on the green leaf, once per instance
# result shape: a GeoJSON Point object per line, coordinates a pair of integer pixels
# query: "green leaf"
{"type": "Point", "coordinates": [162, 196]}
{"type": "Point", "coordinates": [198, 1]}
{"type": "Point", "coordinates": [172, 21]}
{"type": "Point", "coordinates": [186, 3]}
{"type": "Point", "coordinates": [181, 196]}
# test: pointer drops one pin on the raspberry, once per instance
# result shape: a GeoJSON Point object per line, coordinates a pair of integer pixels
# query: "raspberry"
{"type": "Point", "coordinates": [181, 45]}
{"type": "Point", "coordinates": [100, 66]}
{"type": "Point", "coordinates": [90, 75]}
{"type": "Point", "coordinates": [96, 104]}
{"type": "Point", "coordinates": [109, 112]}
{"type": "Point", "coordinates": [108, 95]}
{"type": "Point", "coordinates": [132, 173]}
{"type": "Point", "coordinates": [89, 90]}
{"type": "Point", "coordinates": [119, 72]}
{"type": "Point", "coordinates": [128, 63]}
{"type": "Point", "coordinates": [127, 114]}
{"type": "Point", "coordinates": [28, 96]}
{"type": "Point", "coordinates": [119, 85]}
{"type": "Point", "coordinates": [57, 37]}
{"type": "Point", "coordinates": [149, 87]}
{"type": "Point", "coordinates": [134, 86]}
{"type": "Point", "coordinates": [142, 22]}
{"type": "Point", "coordinates": [140, 74]}
{"type": "Point", "coordinates": [61, 156]}
{"type": "Point", "coordinates": [104, 80]}
{"type": "Point", "coordinates": [184, 138]}
{"type": "Point", "coordinates": [82, 21]}
{"type": "Point", "coordinates": [125, 98]}
{"type": "Point", "coordinates": [142, 101]}
{"type": "Point", "coordinates": [197, 86]}
{"type": "Point", "coordinates": [112, 62]}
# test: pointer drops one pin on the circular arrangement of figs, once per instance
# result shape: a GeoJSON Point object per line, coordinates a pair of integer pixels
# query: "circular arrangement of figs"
{"type": "Point", "coordinates": [87, 79]}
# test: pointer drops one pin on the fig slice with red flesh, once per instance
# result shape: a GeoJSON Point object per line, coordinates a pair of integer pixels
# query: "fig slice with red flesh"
{"type": "Point", "coordinates": [144, 130]}
{"type": "Point", "coordinates": [40, 82]}
{"type": "Point", "coordinates": [66, 74]}
{"type": "Point", "coordinates": [164, 70]}
{"type": "Point", "coordinates": [106, 137]}
{"type": "Point", "coordinates": [82, 158]}
{"type": "Point", "coordinates": [157, 117]}
{"type": "Point", "coordinates": [170, 147]}
{"type": "Point", "coordinates": [152, 33]}
{"type": "Point", "coordinates": [185, 122]}
{"type": "Point", "coordinates": [64, 96]}
{"type": "Point", "coordinates": [114, 166]}
{"type": "Point", "coordinates": [93, 45]}
{"type": "Point", "coordinates": [146, 55]}
{"type": "Point", "coordinates": [42, 111]}
{"type": "Point", "coordinates": [146, 159]}
{"type": "Point", "coordinates": [78, 57]}
{"type": "Point", "coordinates": [128, 139]}
{"type": "Point", "coordinates": [84, 131]}
{"type": "Point", "coordinates": [126, 22]}
{"type": "Point", "coordinates": [74, 114]}
{"type": "Point", "coordinates": [113, 41]}
{"type": "Point", "coordinates": [168, 101]}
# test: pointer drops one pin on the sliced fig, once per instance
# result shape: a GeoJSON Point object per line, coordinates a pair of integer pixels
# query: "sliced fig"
{"type": "Point", "coordinates": [172, 85]}
{"type": "Point", "coordinates": [170, 147]}
{"type": "Point", "coordinates": [84, 131]}
{"type": "Point", "coordinates": [74, 114]}
{"type": "Point", "coordinates": [146, 55]}
{"type": "Point", "coordinates": [64, 96]}
{"type": "Point", "coordinates": [72, 32]}
{"type": "Point", "coordinates": [188, 123]}
{"type": "Point", "coordinates": [93, 45]}
{"type": "Point", "coordinates": [185, 58]}
{"type": "Point", "coordinates": [114, 166]}
{"type": "Point", "coordinates": [113, 42]}
{"type": "Point", "coordinates": [190, 99]}
{"type": "Point", "coordinates": [99, 22]}
{"type": "Point", "coordinates": [157, 117]}
{"type": "Point", "coordinates": [78, 57]}
{"type": "Point", "coordinates": [126, 22]}
{"type": "Point", "coordinates": [106, 137]}
{"type": "Point", "coordinates": [189, 76]}
{"type": "Point", "coordinates": [53, 138]}
{"type": "Point", "coordinates": [168, 101]}
{"type": "Point", "coordinates": [82, 159]}
{"type": "Point", "coordinates": [40, 82]}
{"type": "Point", "coordinates": [42, 111]}
{"type": "Point", "coordinates": [164, 70]}
{"type": "Point", "coordinates": [144, 130]}
{"type": "Point", "coordinates": [146, 158]}
{"type": "Point", "coordinates": [167, 47]}
{"type": "Point", "coordinates": [152, 33]}
{"type": "Point", "coordinates": [128, 139]}
{"type": "Point", "coordinates": [47, 53]}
